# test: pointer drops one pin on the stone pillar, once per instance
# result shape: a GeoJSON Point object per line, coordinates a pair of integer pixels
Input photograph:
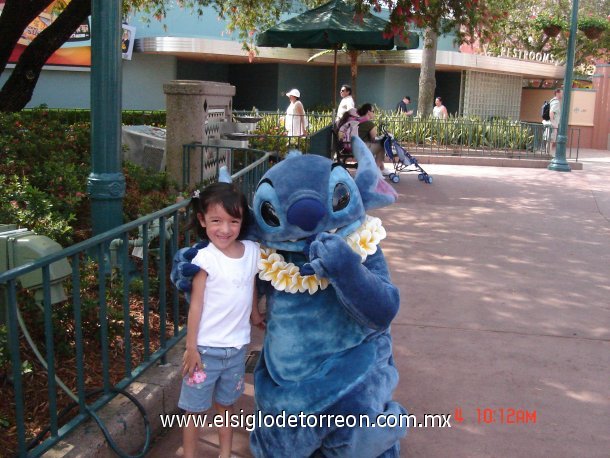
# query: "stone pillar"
{"type": "Point", "coordinates": [191, 105]}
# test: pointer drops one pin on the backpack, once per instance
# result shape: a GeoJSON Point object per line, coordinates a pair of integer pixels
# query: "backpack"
{"type": "Point", "coordinates": [545, 111]}
{"type": "Point", "coordinates": [347, 131]}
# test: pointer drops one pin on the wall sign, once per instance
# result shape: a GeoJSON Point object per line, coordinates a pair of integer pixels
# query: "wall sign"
{"type": "Point", "coordinates": [522, 54]}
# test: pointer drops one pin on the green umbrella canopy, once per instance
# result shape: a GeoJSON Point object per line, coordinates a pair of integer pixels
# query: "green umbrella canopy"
{"type": "Point", "coordinates": [329, 27]}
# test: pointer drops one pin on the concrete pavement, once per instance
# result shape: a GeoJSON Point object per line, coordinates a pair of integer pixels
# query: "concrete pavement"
{"type": "Point", "coordinates": [505, 304]}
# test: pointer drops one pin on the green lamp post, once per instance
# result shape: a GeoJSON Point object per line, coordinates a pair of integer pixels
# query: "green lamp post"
{"type": "Point", "coordinates": [106, 183]}
{"type": "Point", "coordinates": [559, 162]}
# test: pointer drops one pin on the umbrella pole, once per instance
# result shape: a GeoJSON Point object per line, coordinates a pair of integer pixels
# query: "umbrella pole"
{"type": "Point", "coordinates": [354, 70]}
{"type": "Point", "coordinates": [335, 79]}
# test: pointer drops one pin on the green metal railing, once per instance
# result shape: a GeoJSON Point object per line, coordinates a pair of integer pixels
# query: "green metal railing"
{"type": "Point", "coordinates": [114, 278]}
{"type": "Point", "coordinates": [273, 121]}
{"type": "Point", "coordinates": [460, 136]}
{"type": "Point", "coordinates": [269, 133]}
{"type": "Point", "coordinates": [454, 136]}
{"type": "Point", "coordinates": [94, 251]}
{"type": "Point", "coordinates": [251, 163]}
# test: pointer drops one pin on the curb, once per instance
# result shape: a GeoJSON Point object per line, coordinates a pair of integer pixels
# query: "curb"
{"type": "Point", "coordinates": [157, 389]}
{"type": "Point", "coordinates": [491, 161]}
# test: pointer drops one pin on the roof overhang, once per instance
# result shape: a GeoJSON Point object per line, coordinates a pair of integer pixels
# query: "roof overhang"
{"type": "Point", "coordinates": [232, 52]}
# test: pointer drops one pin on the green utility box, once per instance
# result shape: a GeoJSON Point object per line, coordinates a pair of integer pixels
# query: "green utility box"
{"type": "Point", "coordinates": [321, 142]}
{"type": "Point", "coordinates": [21, 246]}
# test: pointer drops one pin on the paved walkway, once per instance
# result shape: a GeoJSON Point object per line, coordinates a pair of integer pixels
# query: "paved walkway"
{"type": "Point", "coordinates": [504, 279]}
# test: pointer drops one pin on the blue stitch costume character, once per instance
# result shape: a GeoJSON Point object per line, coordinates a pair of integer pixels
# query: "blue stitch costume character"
{"type": "Point", "coordinates": [330, 302]}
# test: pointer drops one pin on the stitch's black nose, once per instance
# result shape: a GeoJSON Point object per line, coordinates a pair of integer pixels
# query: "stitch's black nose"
{"type": "Point", "coordinates": [306, 213]}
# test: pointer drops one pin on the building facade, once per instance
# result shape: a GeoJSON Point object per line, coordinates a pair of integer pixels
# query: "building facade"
{"type": "Point", "coordinates": [188, 46]}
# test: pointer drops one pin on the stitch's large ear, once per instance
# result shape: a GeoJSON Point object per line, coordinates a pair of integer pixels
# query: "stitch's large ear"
{"type": "Point", "coordinates": [293, 153]}
{"type": "Point", "coordinates": [374, 190]}
{"type": "Point", "coordinates": [223, 175]}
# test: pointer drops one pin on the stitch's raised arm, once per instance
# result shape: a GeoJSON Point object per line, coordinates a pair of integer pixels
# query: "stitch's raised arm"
{"type": "Point", "coordinates": [365, 289]}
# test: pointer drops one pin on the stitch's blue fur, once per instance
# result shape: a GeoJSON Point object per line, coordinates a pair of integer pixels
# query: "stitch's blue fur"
{"type": "Point", "coordinates": [331, 352]}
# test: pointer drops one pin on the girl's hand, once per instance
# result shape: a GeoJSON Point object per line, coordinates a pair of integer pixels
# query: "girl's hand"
{"type": "Point", "coordinates": [190, 362]}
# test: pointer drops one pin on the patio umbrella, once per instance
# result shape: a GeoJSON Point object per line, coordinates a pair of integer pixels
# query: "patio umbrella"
{"type": "Point", "coordinates": [330, 26]}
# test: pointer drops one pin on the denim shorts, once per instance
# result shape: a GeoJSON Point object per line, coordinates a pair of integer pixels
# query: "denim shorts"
{"type": "Point", "coordinates": [222, 379]}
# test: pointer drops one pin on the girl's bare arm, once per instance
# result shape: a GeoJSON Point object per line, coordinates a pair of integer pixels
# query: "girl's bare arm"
{"type": "Point", "coordinates": [191, 359]}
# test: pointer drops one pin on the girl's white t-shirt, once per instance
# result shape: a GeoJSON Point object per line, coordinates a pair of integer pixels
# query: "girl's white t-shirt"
{"type": "Point", "coordinates": [227, 298]}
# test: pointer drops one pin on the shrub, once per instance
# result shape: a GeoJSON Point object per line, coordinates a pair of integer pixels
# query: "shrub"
{"type": "Point", "coordinates": [129, 117]}
{"type": "Point", "coordinates": [27, 206]}
{"type": "Point", "coordinates": [44, 167]}
{"type": "Point", "coordinates": [147, 191]}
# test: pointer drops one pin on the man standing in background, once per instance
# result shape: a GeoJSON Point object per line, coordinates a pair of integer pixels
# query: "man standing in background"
{"type": "Point", "coordinates": [404, 107]}
{"type": "Point", "coordinates": [346, 103]}
{"type": "Point", "coordinates": [555, 114]}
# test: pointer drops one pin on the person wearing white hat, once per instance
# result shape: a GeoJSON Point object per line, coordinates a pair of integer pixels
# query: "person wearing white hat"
{"type": "Point", "coordinates": [295, 120]}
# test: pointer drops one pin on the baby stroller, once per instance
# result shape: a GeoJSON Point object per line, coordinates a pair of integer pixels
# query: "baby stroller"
{"type": "Point", "coordinates": [343, 151]}
{"type": "Point", "coordinates": [342, 138]}
{"type": "Point", "coordinates": [401, 159]}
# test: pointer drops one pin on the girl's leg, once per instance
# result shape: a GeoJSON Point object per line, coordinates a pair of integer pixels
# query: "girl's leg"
{"type": "Point", "coordinates": [229, 388]}
{"type": "Point", "coordinates": [225, 432]}
{"type": "Point", "coordinates": [190, 436]}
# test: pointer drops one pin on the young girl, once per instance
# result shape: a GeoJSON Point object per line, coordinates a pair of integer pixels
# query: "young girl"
{"type": "Point", "coordinates": [223, 299]}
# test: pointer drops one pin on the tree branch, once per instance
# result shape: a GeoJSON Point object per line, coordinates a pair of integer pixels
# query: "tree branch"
{"type": "Point", "coordinates": [18, 89]}
{"type": "Point", "coordinates": [15, 17]}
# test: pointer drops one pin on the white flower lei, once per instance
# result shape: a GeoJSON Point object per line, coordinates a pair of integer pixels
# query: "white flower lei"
{"type": "Point", "coordinates": [285, 276]}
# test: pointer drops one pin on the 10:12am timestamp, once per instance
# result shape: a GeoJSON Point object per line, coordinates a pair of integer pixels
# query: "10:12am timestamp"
{"type": "Point", "coordinates": [505, 416]}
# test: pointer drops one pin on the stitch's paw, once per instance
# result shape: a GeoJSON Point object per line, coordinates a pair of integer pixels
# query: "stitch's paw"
{"type": "Point", "coordinates": [183, 270]}
{"type": "Point", "coordinates": [329, 255]}
{"type": "Point", "coordinates": [306, 269]}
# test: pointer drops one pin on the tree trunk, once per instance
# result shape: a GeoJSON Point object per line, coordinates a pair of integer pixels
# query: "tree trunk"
{"type": "Point", "coordinates": [18, 89]}
{"type": "Point", "coordinates": [15, 17]}
{"type": "Point", "coordinates": [427, 80]}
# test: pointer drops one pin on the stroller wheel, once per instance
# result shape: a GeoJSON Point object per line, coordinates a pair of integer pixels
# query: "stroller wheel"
{"type": "Point", "coordinates": [421, 177]}
{"type": "Point", "coordinates": [395, 178]}
{"type": "Point", "coordinates": [429, 179]}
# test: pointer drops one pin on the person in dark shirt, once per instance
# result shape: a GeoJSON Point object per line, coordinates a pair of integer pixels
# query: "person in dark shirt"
{"type": "Point", "coordinates": [367, 131]}
{"type": "Point", "coordinates": [403, 106]}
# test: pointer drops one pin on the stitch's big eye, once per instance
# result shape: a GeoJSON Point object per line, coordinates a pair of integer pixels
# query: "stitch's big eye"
{"type": "Point", "coordinates": [269, 215]}
{"type": "Point", "coordinates": [340, 197]}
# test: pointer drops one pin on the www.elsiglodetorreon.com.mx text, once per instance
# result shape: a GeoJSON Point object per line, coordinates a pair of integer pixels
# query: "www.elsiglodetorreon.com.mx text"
{"type": "Point", "coordinates": [301, 420]}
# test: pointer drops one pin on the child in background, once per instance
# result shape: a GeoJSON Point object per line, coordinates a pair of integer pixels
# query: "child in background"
{"type": "Point", "coordinates": [223, 301]}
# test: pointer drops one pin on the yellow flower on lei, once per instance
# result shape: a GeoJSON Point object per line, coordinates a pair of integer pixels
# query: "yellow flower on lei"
{"type": "Point", "coordinates": [365, 239]}
{"type": "Point", "coordinates": [285, 276]}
